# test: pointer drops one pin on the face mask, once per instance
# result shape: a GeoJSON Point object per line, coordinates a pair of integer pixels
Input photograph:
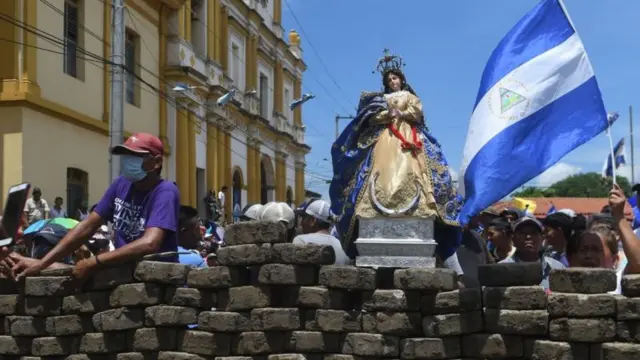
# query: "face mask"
{"type": "Point", "coordinates": [132, 168]}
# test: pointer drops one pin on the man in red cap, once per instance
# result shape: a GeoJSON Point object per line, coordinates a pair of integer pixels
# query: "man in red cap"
{"type": "Point", "coordinates": [142, 206]}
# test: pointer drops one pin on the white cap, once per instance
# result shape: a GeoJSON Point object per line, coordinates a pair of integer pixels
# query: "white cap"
{"type": "Point", "coordinates": [253, 212]}
{"type": "Point", "coordinates": [568, 212]}
{"type": "Point", "coordinates": [278, 211]}
{"type": "Point", "coordinates": [320, 210]}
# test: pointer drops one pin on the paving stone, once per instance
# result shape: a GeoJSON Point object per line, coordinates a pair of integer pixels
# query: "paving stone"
{"type": "Point", "coordinates": [189, 297]}
{"type": "Point", "coordinates": [248, 297]}
{"type": "Point", "coordinates": [110, 277]}
{"type": "Point", "coordinates": [9, 304]}
{"type": "Point", "coordinates": [10, 345]}
{"type": "Point", "coordinates": [42, 306]}
{"type": "Point", "coordinates": [220, 321]}
{"type": "Point", "coordinates": [165, 315]}
{"type": "Point", "coordinates": [583, 280]}
{"type": "Point", "coordinates": [620, 351]}
{"type": "Point", "coordinates": [272, 319]}
{"type": "Point", "coordinates": [516, 322]}
{"type": "Point", "coordinates": [118, 319]}
{"type": "Point", "coordinates": [628, 308]}
{"type": "Point", "coordinates": [313, 342]}
{"type": "Point", "coordinates": [258, 342]}
{"type": "Point", "coordinates": [154, 339]}
{"type": "Point", "coordinates": [392, 300]}
{"type": "Point", "coordinates": [347, 277]}
{"type": "Point", "coordinates": [628, 331]}
{"type": "Point", "coordinates": [393, 323]}
{"type": "Point", "coordinates": [631, 285]}
{"type": "Point", "coordinates": [515, 298]}
{"type": "Point", "coordinates": [456, 301]}
{"type": "Point", "coordinates": [162, 272]}
{"type": "Point", "coordinates": [286, 274]}
{"type": "Point", "coordinates": [244, 255]}
{"type": "Point", "coordinates": [65, 325]}
{"type": "Point", "coordinates": [140, 294]}
{"type": "Point", "coordinates": [51, 346]}
{"type": "Point", "coordinates": [86, 303]}
{"type": "Point", "coordinates": [430, 348]}
{"type": "Point", "coordinates": [50, 286]}
{"type": "Point", "coordinates": [204, 343]}
{"type": "Point", "coordinates": [452, 324]}
{"type": "Point", "coordinates": [307, 254]}
{"type": "Point", "coordinates": [320, 297]}
{"type": "Point", "coordinates": [218, 277]}
{"type": "Point", "coordinates": [255, 232]}
{"type": "Point", "coordinates": [492, 346]}
{"type": "Point", "coordinates": [338, 320]}
{"type": "Point", "coordinates": [510, 274]}
{"type": "Point", "coordinates": [581, 305]}
{"type": "Point", "coordinates": [25, 326]}
{"type": "Point", "coordinates": [103, 343]}
{"type": "Point", "coordinates": [582, 330]}
{"type": "Point", "coordinates": [374, 345]}
{"type": "Point", "coordinates": [425, 279]}
{"type": "Point", "coordinates": [174, 355]}
{"type": "Point", "coordinates": [552, 350]}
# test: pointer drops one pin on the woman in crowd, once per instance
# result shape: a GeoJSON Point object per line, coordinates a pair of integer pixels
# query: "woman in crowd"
{"type": "Point", "coordinates": [559, 227]}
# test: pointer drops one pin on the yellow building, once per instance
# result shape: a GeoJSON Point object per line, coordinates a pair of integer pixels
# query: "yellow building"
{"type": "Point", "coordinates": [55, 96]}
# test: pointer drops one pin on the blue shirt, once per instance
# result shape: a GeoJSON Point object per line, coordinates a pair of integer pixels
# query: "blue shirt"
{"type": "Point", "coordinates": [193, 258]}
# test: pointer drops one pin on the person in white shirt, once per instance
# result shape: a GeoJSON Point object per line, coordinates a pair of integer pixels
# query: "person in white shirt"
{"type": "Point", "coordinates": [36, 207]}
{"type": "Point", "coordinates": [221, 200]}
{"type": "Point", "coordinates": [57, 210]}
{"type": "Point", "coordinates": [316, 222]}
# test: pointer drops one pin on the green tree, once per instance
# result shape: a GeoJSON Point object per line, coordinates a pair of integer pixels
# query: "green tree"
{"type": "Point", "coordinates": [580, 185]}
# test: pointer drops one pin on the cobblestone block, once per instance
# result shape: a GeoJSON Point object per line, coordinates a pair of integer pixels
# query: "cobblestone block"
{"type": "Point", "coordinates": [204, 343]}
{"type": "Point", "coordinates": [270, 319]}
{"type": "Point", "coordinates": [393, 323]}
{"type": "Point", "coordinates": [189, 297]}
{"type": "Point", "coordinates": [628, 308]}
{"type": "Point", "coordinates": [374, 345]}
{"type": "Point", "coordinates": [581, 305]}
{"type": "Point", "coordinates": [51, 346]}
{"type": "Point", "coordinates": [86, 303]}
{"type": "Point", "coordinates": [255, 232]}
{"type": "Point", "coordinates": [10, 345]}
{"type": "Point", "coordinates": [219, 321]}
{"type": "Point", "coordinates": [619, 351]}
{"type": "Point", "coordinates": [552, 350]}
{"type": "Point", "coordinates": [392, 300]}
{"type": "Point", "coordinates": [452, 324]}
{"type": "Point", "coordinates": [174, 355]}
{"type": "Point", "coordinates": [628, 331]}
{"type": "Point", "coordinates": [631, 285]}
{"type": "Point", "coordinates": [103, 343]}
{"type": "Point", "coordinates": [583, 280]}
{"type": "Point", "coordinates": [457, 301]}
{"type": "Point", "coordinates": [510, 274]}
{"type": "Point", "coordinates": [134, 356]}
{"type": "Point", "coordinates": [338, 320]}
{"type": "Point", "coordinates": [313, 342]}
{"type": "Point", "coordinates": [154, 339]}
{"type": "Point", "coordinates": [294, 357]}
{"type": "Point", "coordinates": [218, 277]}
{"type": "Point", "coordinates": [66, 325]}
{"type": "Point", "coordinates": [286, 274]}
{"type": "Point", "coordinates": [425, 279]}
{"type": "Point", "coordinates": [42, 306]}
{"type": "Point", "coordinates": [165, 315]}
{"type": "Point", "coordinates": [118, 319]}
{"type": "Point", "coordinates": [582, 330]}
{"type": "Point", "coordinates": [320, 298]}
{"type": "Point", "coordinates": [244, 255]}
{"type": "Point", "coordinates": [516, 322]}
{"type": "Point", "coordinates": [9, 304]}
{"type": "Point", "coordinates": [258, 342]}
{"type": "Point", "coordinates": [430, 348]}
{"type": "Point", "coordinates": [140, 294]}
{"type": "Point", "coordinates": [307, 254]}
{"type": "Point", "coordinates": [110, 277]}
{"type": "Point", "coordinates": [162, 272]}
{"type": "Point", "coordinates": [492, 346]}
{"type": "Point", "coordinates": [248, 297]}
{"type": "Point", "coordinates": [25, 326]}
{"type": "Point", "coordinates": [515, 298]}
{"type": "Point", "coordinates": [50, 286]}
{"type": "Point", "coordinates": [347, 277]}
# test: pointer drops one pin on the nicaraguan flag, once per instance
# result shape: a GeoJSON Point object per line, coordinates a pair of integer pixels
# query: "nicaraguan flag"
{"type": "Point", "coordinates": [619, 154]}
{"type": "Point", "coordinates": [538, 100]}
{"type": "Point", "coordinates": [551, 210]}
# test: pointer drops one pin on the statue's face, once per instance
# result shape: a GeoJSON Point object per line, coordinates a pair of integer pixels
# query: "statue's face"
{"type": "Point", "coordinates": [394, 81]}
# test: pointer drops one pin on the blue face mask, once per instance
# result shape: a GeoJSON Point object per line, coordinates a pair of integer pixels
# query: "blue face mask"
{"type": "Point", "coordinates": [132, 168]}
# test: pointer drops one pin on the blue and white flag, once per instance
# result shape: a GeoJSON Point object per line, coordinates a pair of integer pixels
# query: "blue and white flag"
{"type": "Point", "coordinates": [538, 100]}
{"type": "Point", "coordinates": [619, 154]}
{"type": "Point", "coordinates": [552, 209]}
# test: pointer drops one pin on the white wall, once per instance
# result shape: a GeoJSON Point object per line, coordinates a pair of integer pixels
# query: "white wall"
{"type": "Point", "coordinates": [268, 72]}
{"type": "Point", "coordinates": [201, 144]}
{"type": "Point", "coordinates": [199, 30]}
{"type": "Point", "coordinates": [288, 85]}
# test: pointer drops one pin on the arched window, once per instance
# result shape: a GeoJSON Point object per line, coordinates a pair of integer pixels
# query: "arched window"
{"type": "Point", "coordinates": [77, 191]}
{"type": "Point", "coordinates": [290, 196]}
{"type": "Point", "coordinates": [237, 187]}
{"type": "Point", "coordinates": [267, 180]}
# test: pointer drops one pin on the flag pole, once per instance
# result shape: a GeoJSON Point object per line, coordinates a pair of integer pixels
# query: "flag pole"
{"type": "Point", "coordinates": [612, 154]}
{"type": "Point", "coordinates": [633, 167]}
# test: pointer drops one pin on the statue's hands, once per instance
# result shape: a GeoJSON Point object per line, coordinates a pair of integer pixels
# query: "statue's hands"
{"type": "Point", "coordinates": [395, 114]}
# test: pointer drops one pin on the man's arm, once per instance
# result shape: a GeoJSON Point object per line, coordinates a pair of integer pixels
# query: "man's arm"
{"type": "Point", "coordinates": [149, 243]}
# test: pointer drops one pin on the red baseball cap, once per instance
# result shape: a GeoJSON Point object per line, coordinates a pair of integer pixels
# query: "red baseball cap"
{"type": "Point", "coordinates": [140, 144]}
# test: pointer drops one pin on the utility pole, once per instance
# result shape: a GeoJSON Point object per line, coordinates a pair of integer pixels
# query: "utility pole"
{"type": "Point", "coordinates": [116, 120]}
{"type": "Point", "coordinates": [633, 167]}
{"type": "Point", "coordinates": [338, 118]}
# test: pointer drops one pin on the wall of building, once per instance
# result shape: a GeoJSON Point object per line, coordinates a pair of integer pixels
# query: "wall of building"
{"type": "Point", "coordinates": [284, 301]}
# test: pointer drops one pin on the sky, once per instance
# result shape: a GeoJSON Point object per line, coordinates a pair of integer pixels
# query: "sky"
{"type": "Point", "coordinates": [446, 45]}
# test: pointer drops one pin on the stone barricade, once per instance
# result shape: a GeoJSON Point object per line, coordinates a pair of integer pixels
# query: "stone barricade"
{"type": "Point", "coordinates": [276, 301]}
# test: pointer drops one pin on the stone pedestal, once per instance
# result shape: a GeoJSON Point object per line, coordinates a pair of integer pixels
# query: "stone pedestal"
{"type": "Point", "coordinates": [396, 242]}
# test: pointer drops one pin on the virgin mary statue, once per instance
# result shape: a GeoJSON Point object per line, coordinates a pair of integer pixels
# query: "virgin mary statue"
{"type": "Point", "coordinates": [386, 163]}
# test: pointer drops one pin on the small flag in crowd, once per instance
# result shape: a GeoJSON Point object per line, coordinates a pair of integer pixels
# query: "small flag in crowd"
{"type": "Point", "coordinates": [538, 100]}
{"type": "Point", "coordinates": [617, 161]}
{"type": "Point", "coordinates": [551, 210]}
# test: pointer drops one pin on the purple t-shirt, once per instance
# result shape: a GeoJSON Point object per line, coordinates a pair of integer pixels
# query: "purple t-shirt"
{"type": "Point", "coordinates": [132, 212]}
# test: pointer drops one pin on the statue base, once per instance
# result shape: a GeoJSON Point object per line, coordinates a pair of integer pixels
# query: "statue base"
{"type": "Point", "coordinates": [396, 242]}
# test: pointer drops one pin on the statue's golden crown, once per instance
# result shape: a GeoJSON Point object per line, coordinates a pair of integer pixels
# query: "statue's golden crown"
{"type": "Point", "coordinates": [389, 62]}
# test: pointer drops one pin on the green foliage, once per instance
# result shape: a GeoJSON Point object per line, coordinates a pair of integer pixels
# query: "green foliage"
{"type": "Point", "coordinates": [580, 185]}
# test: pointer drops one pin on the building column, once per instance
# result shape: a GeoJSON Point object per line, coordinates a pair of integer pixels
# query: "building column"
{"type": "Point", "coordinates": [106, 53]}
{"type": "Point", "coordinates": [297, 94]}
{"type": "Point", "coordinates": [29, 50]}
{"type": "Point", "coordinates": [187, 20]}
{"type": "Point", "coordinates": [212, 157]}
{"type": "Point", "coordinates": [250, 64]}
{"type": "Point", "coordinates": [224, 38]}
{"type": "Point", "coordinates": [182, 155]}
{"type": "Point", "coordinates": [221, 159]}
{"type": "Point", "coordinates": [257, 171]}
{"type": "Point", "coordinates": [278, 84]}
{"type": "Point", "coordinates": [193, 194]}
{"type": "Point", "coordinates": [300, 191]}
{"type": "Point", "coordinates": [251, 196]}
{"type": "Point", "coordinates": [277, 12]}
{"type": "Point", "coordinates": [281, 177]}
{"type": "Point", "coordinates": [9, 64]}
{"type": "Point", "coordinates": [211, 23]}
{"type": "Point", "coordinates": [228, 208]}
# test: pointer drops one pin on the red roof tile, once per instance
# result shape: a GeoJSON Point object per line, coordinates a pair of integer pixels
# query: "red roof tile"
{"type": "Point", "coordinates": [584, 206]}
